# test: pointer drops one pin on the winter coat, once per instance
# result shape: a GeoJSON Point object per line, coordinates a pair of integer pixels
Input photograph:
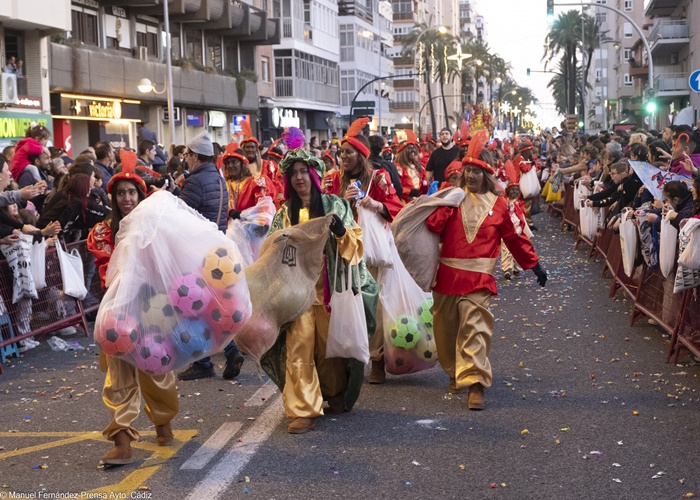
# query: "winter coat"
{"type": "Point", "coordinates": [205, 191]}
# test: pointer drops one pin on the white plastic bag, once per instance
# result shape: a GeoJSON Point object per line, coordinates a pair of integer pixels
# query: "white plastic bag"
{"type": "Point", "coordinates": [544, 176]}
{"type": "Point", "coordinates": [690, 257]}
{"type": "Point", "coordinates": [668, 241]}
{"type": "Point", "coordinates": [628, 242]}
{"type": "Point", "coordinates": [580, 191]}
{"type": "Point", "coordinates": [71, 272]}
{"type": "Point", "coordinates": [375, 238]}
{"type": "Point", "coordinates": [176, 288]}
{"type": "Point", "coordinates": [347, 329]}
{"type": "Point", "coordinates": [18, 257]}
{"type": "Point", "coordinates": [530, 184]}
{"type": "Point", "coordinates": [249, 232]}
{"type": "Point", "coordinates": [685, 276]}
{"type": "Point", "coordinates": [588, 222]}
{"type": "Point", "coordinates": [38, 258]}
{"type": "Point", "coordinates": [407, 314]}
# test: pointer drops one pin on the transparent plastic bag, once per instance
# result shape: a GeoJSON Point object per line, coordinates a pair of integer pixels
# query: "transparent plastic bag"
{"type": "Point", "coordinates": [249, 232]}
{"type": "Point", "coordinates": [177, 291]}
{"type": "Point", "coordinates": [375, 236]}
{"type": "Point", "coordinates": [409, 345]}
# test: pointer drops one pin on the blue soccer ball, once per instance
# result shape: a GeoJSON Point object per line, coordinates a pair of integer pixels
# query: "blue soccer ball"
{"type": "Point", "coordinates": [192, 338]}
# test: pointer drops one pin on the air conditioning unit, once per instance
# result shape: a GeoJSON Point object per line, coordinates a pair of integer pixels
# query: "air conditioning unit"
{"type": "Point", "coordinates": [143, 52]}
{"type": "Point", "coordinates": [8, 89]}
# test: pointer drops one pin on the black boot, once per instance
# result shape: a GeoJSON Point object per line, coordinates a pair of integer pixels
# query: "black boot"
{"type": "Point", "coordinates": [234, 361]}
{"type": "Point", "coordinates": [196, 371]}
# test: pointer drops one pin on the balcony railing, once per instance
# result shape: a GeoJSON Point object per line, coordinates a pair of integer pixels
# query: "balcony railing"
{"type": "Point", "coordinates": [303, 89]}
{"type": "Point", "coordinates": [406, 83]}
{"type": "Point", "coordinates": [666, 29]}
{"type": "Point", "coordinates": [405, 16]}
{"type": "Point", "coordinates": [671, 82]}
{"type": "Point", "coordinates": [403, 106]}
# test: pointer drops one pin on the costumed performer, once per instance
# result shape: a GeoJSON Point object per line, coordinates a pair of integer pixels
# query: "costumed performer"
{"type": "Point", "coordinates": [244, 190]}
{"type": "Point", "coordinates": [413, 176]}
{"type": "Point", "coordinates": [471, 237]}
{"type": "Point", "coordinates": [124, 384]}
{"type": "Point", "coordinates": [259, 167]}
{"type": "Point", "coordinates": [381, 197]}
{"type": "Point", "coordinates": [301, 370]}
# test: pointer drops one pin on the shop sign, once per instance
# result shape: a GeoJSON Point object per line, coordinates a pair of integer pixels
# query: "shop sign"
{"type": "Point", "coordinates": [236, 123]}
{"type": "Point", "coordinates": [118, 11]}
{"type": "Point", "coordinates": [195, 119]}
{"type": "Point", "coordinates": [282, 118]}
{"type": "Point", "coordinates": [89, 3]}
{"type": "Point", "coordinates": [79, 107]}
{"type": "Point", "coordinates": [28, 102]}
{"type": "Point", "coordinates": [176, 114]}
{"type": "Point", "coordinates": [217, 119]}
{"type": "Point", "coordinates": [15, 125]}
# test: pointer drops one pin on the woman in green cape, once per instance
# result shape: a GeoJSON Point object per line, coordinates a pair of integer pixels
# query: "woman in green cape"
{"type": "Point", "coordinates": [297, 363]}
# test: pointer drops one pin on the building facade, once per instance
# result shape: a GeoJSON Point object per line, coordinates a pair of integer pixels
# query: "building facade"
{"type": "Point", "coordinates": [24, 28]}
{"type": "Point", "coordinates": [95, 68]}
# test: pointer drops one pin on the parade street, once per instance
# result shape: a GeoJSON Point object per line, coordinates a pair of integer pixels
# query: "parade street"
{"type": "Point", "coordinates": [582, 406]}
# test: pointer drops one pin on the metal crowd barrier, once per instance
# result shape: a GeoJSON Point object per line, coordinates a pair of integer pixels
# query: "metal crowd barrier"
{"type": "Point", "coordinates": [678, 314]}
{"type": "Point", "coordinates": [53, 310]}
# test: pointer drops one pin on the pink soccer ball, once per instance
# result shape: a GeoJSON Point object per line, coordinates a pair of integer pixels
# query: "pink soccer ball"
{"type": "Point", "coordinates": [155, 355]}
{"type": "Point", "coordinates": [189, 295]}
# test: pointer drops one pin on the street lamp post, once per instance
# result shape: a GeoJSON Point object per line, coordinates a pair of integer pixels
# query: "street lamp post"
{"type": "Point", "coordinates": [420, 112]}
{"type": "Point", "coordinates": [169, 73]}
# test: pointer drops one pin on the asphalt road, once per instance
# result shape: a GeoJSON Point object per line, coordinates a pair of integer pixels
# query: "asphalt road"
{"type": "Point", "coordinates": [582, 406]}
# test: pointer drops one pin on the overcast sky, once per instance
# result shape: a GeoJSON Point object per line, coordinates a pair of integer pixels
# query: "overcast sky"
{"type": "Point", "coordinates": [516, 30]}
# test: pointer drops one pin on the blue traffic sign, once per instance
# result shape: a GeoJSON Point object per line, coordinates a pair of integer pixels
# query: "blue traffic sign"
{"type": "Point", "coordinates": [694, 80]}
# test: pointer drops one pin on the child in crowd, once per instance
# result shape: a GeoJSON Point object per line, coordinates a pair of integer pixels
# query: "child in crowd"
{"type": "Point", "coordinates": [32, 145]}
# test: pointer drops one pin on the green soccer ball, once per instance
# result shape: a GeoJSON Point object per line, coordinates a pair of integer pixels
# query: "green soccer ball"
{"type": "Point", "coordinates": [425, 314]}
{"type": "Point", "coordinates": [405, 333]}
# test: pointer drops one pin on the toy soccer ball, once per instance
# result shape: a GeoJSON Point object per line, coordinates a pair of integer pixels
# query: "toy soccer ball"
{"type": "Point", "coordinates": [222, 268]}
{"type": "Point", "coordinates": [189, 295]}
{"type": "Point", "coordinates": [158, 311]}
{"type": "Point", "coordinates": [155, 355]}
{"type": "Point", "coordinates": [117, 334]}
{"type": "Point", "coordinates": [228, 312]}
{"type": "Point", "coordinates": [425, 314]}
{"type": "Point", "coordinates": [426, 349]}
{"type": "Point", "coordinates": [399, 361]}
{"type": "Point", "coordinates": [192, 338]}
{"type": "Point", "coordinates": [405, 332]}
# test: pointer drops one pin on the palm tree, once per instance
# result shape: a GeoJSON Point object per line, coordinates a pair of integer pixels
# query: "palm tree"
{"type": "Point", "coordinates": [563, 40]}
{"type": "Point", "coordinates": [419, 41]}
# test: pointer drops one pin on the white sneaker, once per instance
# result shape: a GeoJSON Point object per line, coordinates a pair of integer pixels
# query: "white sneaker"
{"type": "Point", "coordinates": [67, 331]}
{"type": "Point", "coordinates": [24, 346]}
{"type": "Point", "coordinates": [31, 342]}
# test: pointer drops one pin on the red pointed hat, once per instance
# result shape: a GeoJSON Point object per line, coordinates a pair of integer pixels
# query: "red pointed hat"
{"type": "Point", "coordinates": [247, 133]}
{"type": "Point", "coordinates": [476, 145]}
{"type": "Point", "coordinates": [351, 136]}
{"type": "Point", "coordinates": [411, 139]}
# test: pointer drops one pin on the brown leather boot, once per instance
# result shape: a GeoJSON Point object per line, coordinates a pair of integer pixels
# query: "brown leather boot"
{"type": "Point", "coordinates": [164, 435]}
{"type": "Point", "coordinates": [121, 454]}
{"type": "Point", "coordinates": [377, 375]}
{"type": "Point", "coordinates": [476, 397]}
{"type": "Point", "coordinates": [300, 425]}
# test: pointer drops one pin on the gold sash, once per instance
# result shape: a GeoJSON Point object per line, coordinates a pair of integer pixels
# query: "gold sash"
{"type": "Point", "coordinates": [477, 265]}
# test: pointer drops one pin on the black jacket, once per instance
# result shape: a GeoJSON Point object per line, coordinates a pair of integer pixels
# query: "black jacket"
{"type": "Point", "coordinates": [205, 191]}
{"type": "Point", "coordinates": [378, 162]}
{"type": "Point", "coordinates": [622, 193]}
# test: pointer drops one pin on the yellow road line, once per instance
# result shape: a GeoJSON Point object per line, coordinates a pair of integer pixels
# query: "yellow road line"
{"type": "Point", "coordinates": [160, 455]}
{"type": "Point", "coordinates": [43, 446]}
{"type": "Point", "coordinates": [46, 434]}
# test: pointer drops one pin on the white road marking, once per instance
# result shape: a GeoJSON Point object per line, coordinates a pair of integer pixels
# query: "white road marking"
{"type": "Point", "coordinates": [213, 446]}
{"type": "Point", "coordinates": [224, 473]}
{"type": "Point", "coordinates": [262, 395]}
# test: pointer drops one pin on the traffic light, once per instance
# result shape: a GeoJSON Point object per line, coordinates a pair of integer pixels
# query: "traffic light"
{"type": "Point", "coordinates": [528, 71]}
{"type": "Point", "coordinates": [550, 11]}
{"type": "Point", "coordinates": [651, 107]}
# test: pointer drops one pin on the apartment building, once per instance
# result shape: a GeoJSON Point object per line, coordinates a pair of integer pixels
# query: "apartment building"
{"type": "Point", "coordinates": [366, 34]}
{"type": "Point", "coordinates": [24, 87]}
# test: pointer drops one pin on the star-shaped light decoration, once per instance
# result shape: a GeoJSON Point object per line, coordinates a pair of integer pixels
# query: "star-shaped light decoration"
{"type": "Point", "coordinates": [459, 56]}
{"type": "Point", "coordinates": [505, 107]}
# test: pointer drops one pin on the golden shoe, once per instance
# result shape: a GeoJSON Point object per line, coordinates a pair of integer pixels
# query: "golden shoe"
{"type": "Point", "coordinates": [300, 425]}
{"type": "Point", "coordinates": [121, 454]}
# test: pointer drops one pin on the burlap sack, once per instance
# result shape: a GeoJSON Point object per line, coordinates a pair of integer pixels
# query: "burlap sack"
{"type": "Point", "coordinates": [282, 282]}
{"type": "Point", "coordinates": [418, 247]}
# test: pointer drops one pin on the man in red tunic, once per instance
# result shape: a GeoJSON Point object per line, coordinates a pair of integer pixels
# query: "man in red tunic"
{"type": "Point", "coordinates": [471, 237]}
